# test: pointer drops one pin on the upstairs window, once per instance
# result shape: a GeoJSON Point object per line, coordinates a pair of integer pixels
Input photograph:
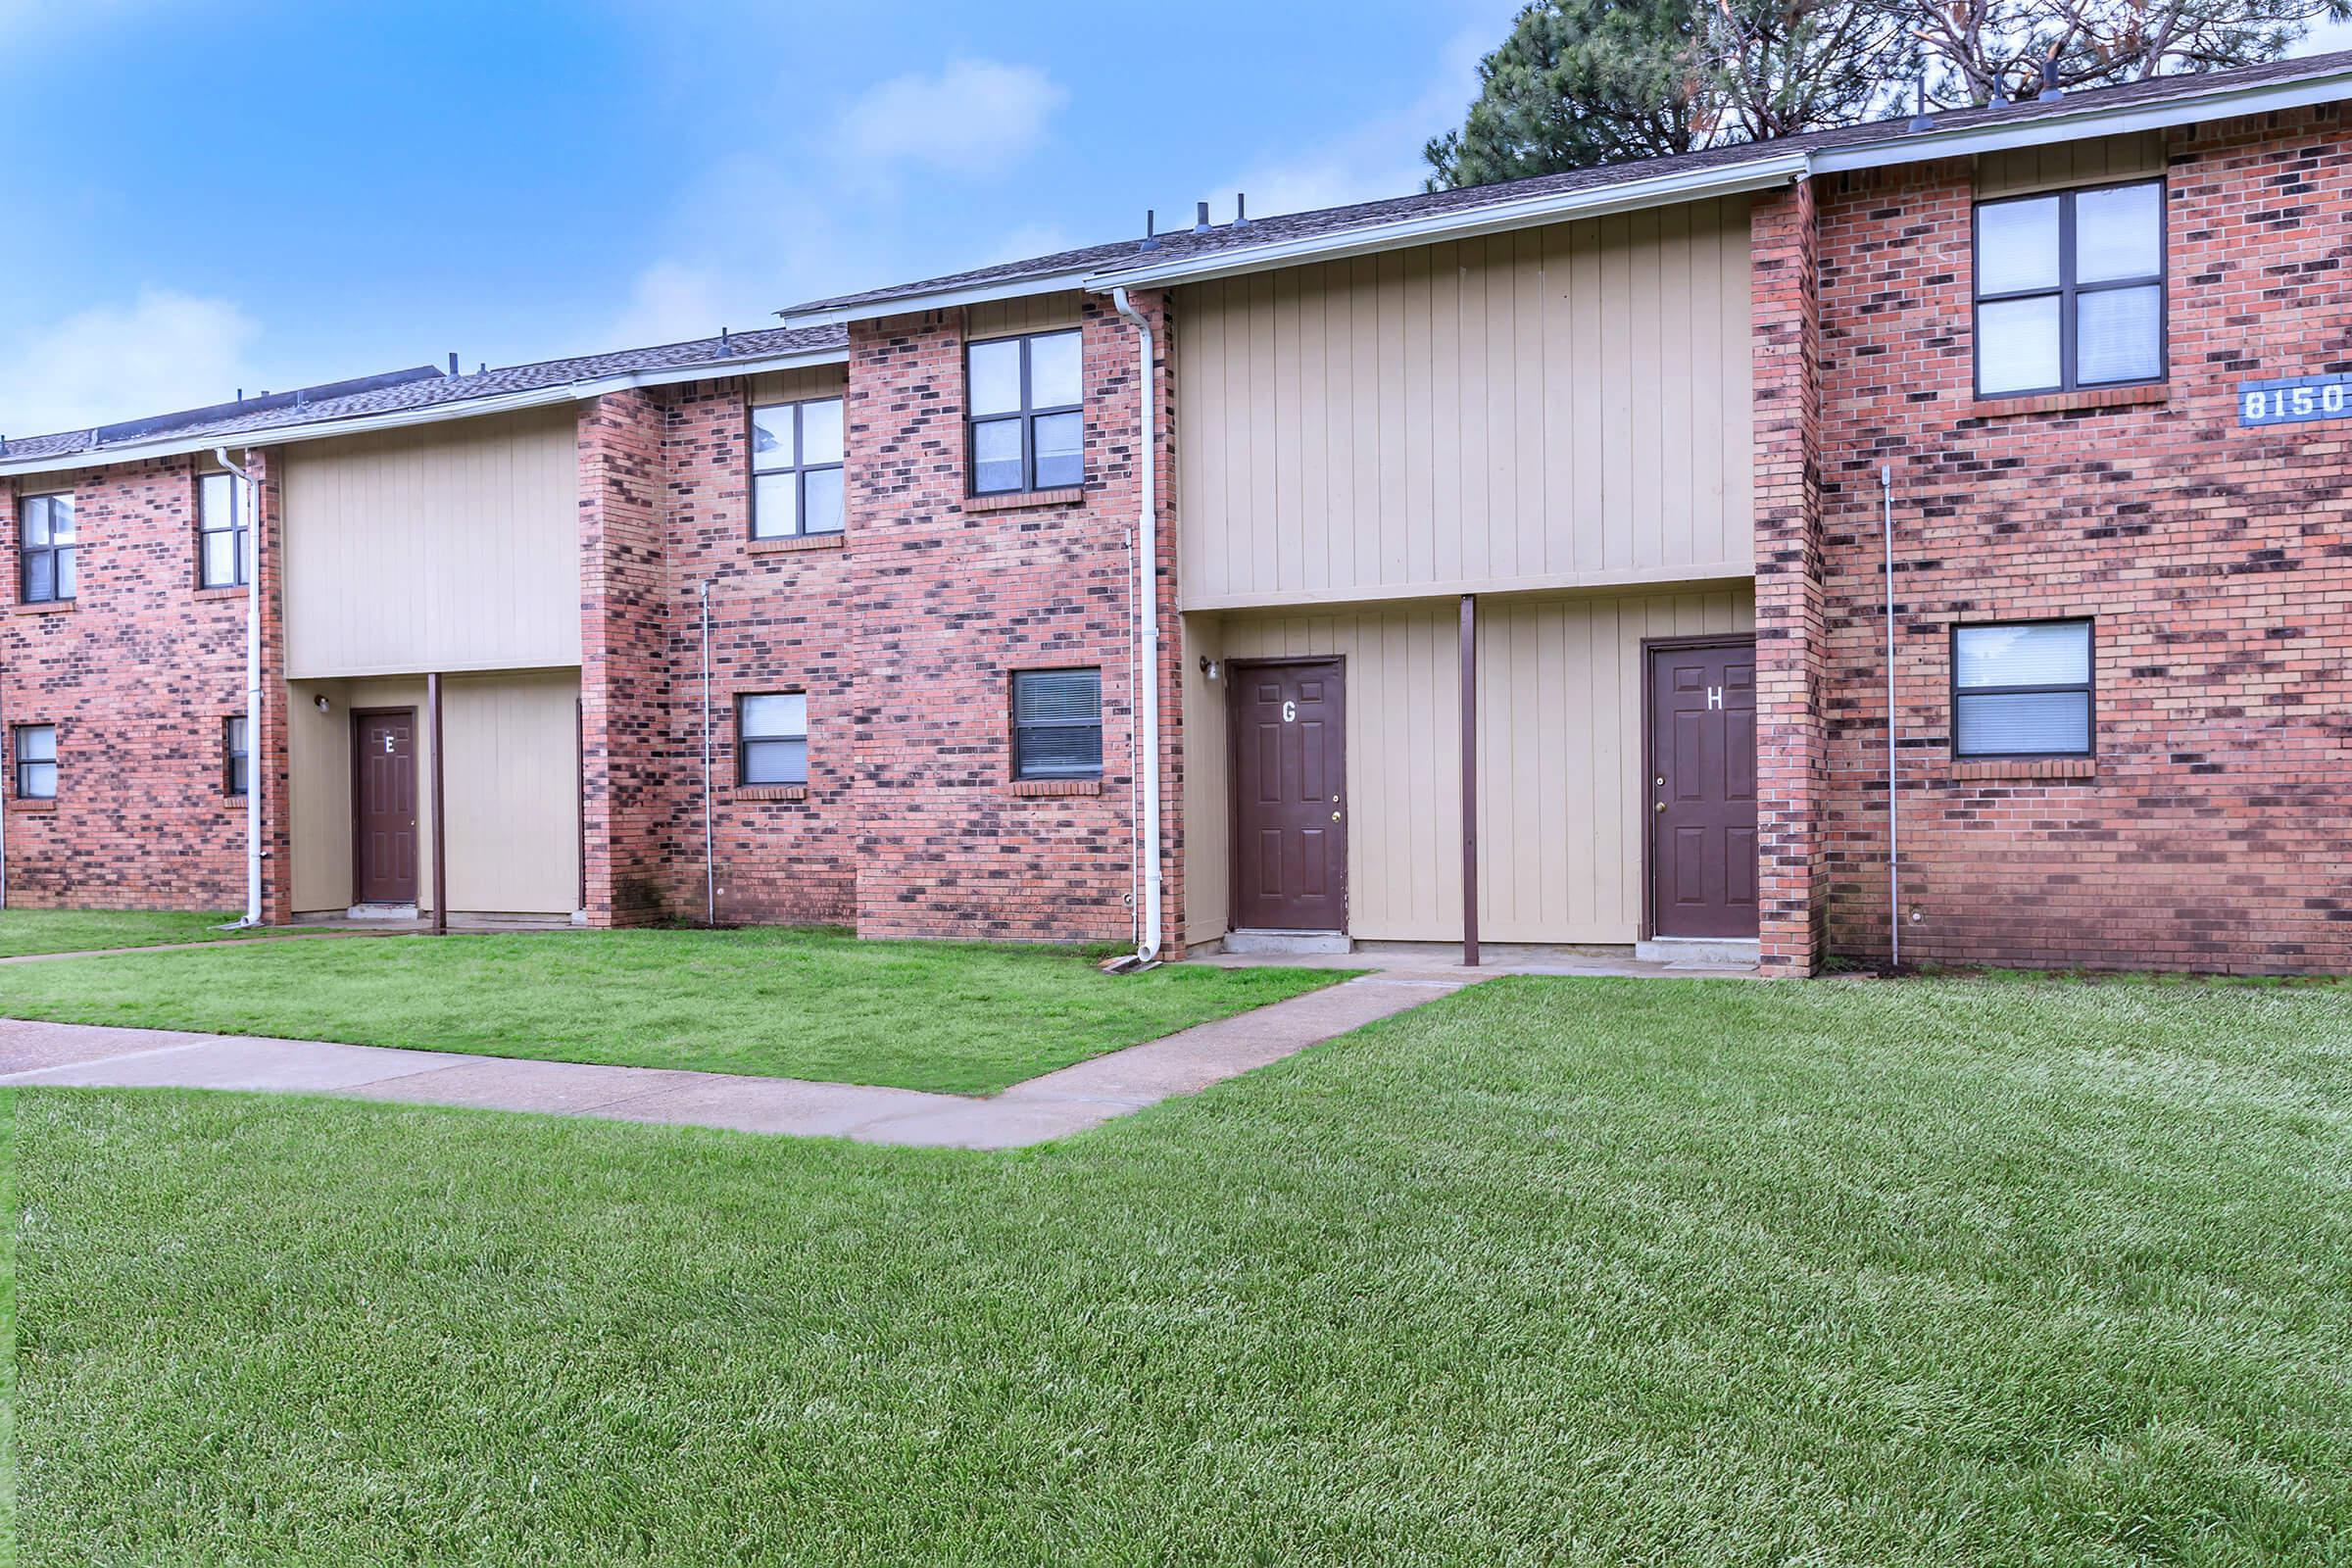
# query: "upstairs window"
{"type": "Point", "coordinates": [1027, 429]}
{"type": "Point", "coordinates": [1058, 723]}
{"type": "Point", "coordinates": [2069, 290]}
{"type": "Point", "coordinates": [224, 533]}
{"type": "Point", "coordinates": [2022, 689]}
{"type": "Point", "coordinates": [45, 535]}
{"type": "Point", "coordinates": [236, 757]}
{"type": "Point", "coordinates": [796, 468]}
{"type": "Point", "coordinates": [34, 749]}
{"type": "Point", "coordinates": [772, 738]}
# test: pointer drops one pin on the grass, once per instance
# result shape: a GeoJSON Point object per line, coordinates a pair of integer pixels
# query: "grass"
{"type": "Point", "coordinates": [1554, 1271]}
{"type": "Point", "coordinates": [30, 931]}
{"type": "Point", "coordinates": [955, 1017]}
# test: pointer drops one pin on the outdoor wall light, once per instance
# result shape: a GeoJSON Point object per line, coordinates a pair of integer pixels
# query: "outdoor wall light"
{"type": "Point", "coordinates": [1210, 668]}
{"type": "Point", "coordinates": [320, 700]}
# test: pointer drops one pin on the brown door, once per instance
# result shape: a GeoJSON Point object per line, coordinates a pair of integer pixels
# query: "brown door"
{"type": "Point", "coordinates": [1290, 807]}
{"type": "Point", "coordinates": [383, 773]}
{"type": "Point", "coordinates": [1702, 787]}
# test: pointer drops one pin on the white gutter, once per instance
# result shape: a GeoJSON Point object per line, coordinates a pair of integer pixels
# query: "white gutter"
{"type": "Point", "coordinates": [1146, 675]}
{"type": "Point", "coordinates": [541, 397]}
{"type": "Point", "coordinates": [249, 497]}
{"type": "Point", "coordinates": [939, 299]}
{"type": "Point", "coordinates": [1894, 847]}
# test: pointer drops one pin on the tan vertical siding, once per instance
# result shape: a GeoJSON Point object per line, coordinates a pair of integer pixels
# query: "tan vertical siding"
{"type": "Point", "coordinates": [513, 792]}
{"type": "Point", "coordinates": [511, 785]}
{"type": "Point", "coordinates": [2022, 170]}
{"type": "Point", "coordinates": [1039, 313]}
{"type": "Point", "coordinates": [1558, 407]}
{"type": "Point", "coordinates": [450, 547]}
{"type": "Point", "coordinates": [1559, 747]}
{"type": "Point", "coordinates": [1561, 797]}
{"type": "Point", "coordinates": [791, 387]}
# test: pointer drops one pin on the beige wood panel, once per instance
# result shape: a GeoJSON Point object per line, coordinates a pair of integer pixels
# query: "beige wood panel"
{"type": "Point", "coordinates": [2020, 170]}
{"type": "Point", "coordinates": [1559, 749]}
{"type": "Point", "coordinates": [1039, 313]}
{"type": "Point", "coordinates": [1560, 798]}
{"type": "Point", "coordinates": [1403, 771]}
{"type": "Point", "coordinates": [319, 785]}
{"type": "Point", "coordinates": [808, 381]}
{"type": "Point", "coordinates": [449, 547]}
{"type": "Point", "coordinates": [512, 786]}
{"type": "Point", "coordinates": [1561, 406]}
{"type": "Point", "coordinates": [1207, 888]}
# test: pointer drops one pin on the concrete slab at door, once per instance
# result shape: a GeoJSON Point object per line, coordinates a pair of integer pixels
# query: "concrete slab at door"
{"type": "Point", "coordinates": [383, 859]}
{"type": "Point", "coordinates": [1290, 793]}
{"type": "Point", "coordinates": [1701, 787]}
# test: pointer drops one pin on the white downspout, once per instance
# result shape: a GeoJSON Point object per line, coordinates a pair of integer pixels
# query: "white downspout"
{"type": "Point", "coordinates": [709, 836]}
{"type": "Point", "coordinates": [254, 771]}
{"type": "Point", "coordinates": [1147, 683]}
{"type": "Point", "coordinates": [1895, 874]}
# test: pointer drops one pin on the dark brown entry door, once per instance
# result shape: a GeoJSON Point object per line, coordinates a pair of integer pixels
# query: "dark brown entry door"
{"type": "Point", "coordinates": [1290, 807]}
{"type": "Point", "coordinates": [384, 807]}
{"type": "Point", "coordinates": [1702, 789]}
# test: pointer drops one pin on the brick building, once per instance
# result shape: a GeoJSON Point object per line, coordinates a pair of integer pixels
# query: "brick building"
{"type": "Point", "coordinates": [1520, 562]}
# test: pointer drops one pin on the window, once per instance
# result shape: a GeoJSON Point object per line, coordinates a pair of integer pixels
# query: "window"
{"type": "Point", "coordinates": [2022, 690]}
{"type": "Point", "coordinates": [35, 748]}
{"type": "Point", "coordinates": [45, 529]}
{"type": "Point", "coordinates": [796, 468]}
{"type": "Point", "coordinates": [236, 758]}
{"type": "Point", "coordinates": [224, 533]}
{"type": "Point", "coordinates": [2069, 290]}
{"type": "Point", "coordinates": [1027, 430]}
{"type": "Point", "coordinates": [772, 738]}
{"type": "Point", "coordinates": [1058, 723]}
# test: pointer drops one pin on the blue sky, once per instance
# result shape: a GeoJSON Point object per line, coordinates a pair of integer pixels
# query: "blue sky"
{"type": "Point", "coordinates": [204, 197]}
{"type": "Point", "coordinates": [209, 196]}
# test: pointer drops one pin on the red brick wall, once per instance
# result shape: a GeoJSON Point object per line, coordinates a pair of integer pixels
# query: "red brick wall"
{"type": "Point", "coordinates": [779, 623]}
{"type": "Point", "coordinates": [2214, 829]}
{"type": "Point", "coordinates": [137, 676]}
{"type": "Point", "coordinates": [625, 672]}
{"type": "Point", "coordinates": [1790, 733]}
{"type": "Point", "coordinates": [947, 600]}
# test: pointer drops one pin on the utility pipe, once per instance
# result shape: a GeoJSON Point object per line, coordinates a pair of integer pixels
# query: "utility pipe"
{"type": "Point", "coordinates": [1894, 874]}
{"type": "Point", "coordinates": [250, 497]}
{"type": "Point", "coordinates": [1146, 675]}
{"type": "Point", "coordinates": [710, 837]}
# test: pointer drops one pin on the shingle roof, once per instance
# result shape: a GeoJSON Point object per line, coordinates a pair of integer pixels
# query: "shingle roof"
{"type": "Point", "coordinates": [239, 419]}
{"type": "Point", "coordinates": [1184, 244]}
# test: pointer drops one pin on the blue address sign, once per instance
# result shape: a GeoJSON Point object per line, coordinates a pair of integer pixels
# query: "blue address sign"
{"type": "Point", "coordinates": [2294, 400]}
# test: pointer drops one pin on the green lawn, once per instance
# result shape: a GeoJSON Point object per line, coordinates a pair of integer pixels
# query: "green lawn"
{"type": "Point", "coordinates": [1911, 1275]}
{"type": "Point", "coordinates": [955, 1017]}
{"type": "Point", "coordinates": [24, 931]}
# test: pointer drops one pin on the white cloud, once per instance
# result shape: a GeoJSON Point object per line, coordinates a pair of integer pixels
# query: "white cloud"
{"type": "Point", "coordinates": [972, 116]}
{"type": "Point", "coordinates": [1379, 158]}
{"type": "Point", "coordinates": [159, 352]}
{"type": "Point", "coordinates": [790, 218]}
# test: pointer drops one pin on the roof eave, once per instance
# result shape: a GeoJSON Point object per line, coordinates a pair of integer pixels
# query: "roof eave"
{"type": "Point", "coordinates": [429, 413]}
{"type": "Point", "coordinates": [2090, 119]}
{"type": "Point", "coordinates": [1695, 184]}
{"type": "Point", "coordinates": [939, 299]}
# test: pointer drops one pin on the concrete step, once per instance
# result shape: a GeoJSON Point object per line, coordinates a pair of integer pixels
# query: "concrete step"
{"type": "Point", "coordinates": [1713, 952]}
{"type": "Point", "coordinates": [1280, 942]}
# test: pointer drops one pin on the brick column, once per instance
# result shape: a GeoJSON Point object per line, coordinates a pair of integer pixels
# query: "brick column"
{"type": "Point", "coordinates": [625, 680]}
{"type": "Point", "coordinates": [1792, 736]}
{"type": "Point", "coordinates": [272, 771]}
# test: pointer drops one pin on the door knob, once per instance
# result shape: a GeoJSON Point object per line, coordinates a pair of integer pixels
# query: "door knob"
{"type": "Point", "coordinates": [1335, 816]}
{"type": "Point", "coordinates": [1661, 806]}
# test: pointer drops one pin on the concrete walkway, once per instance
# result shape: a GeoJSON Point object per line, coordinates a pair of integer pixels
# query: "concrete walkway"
{"type": "Point", "coordinates": [1054, 1106]}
